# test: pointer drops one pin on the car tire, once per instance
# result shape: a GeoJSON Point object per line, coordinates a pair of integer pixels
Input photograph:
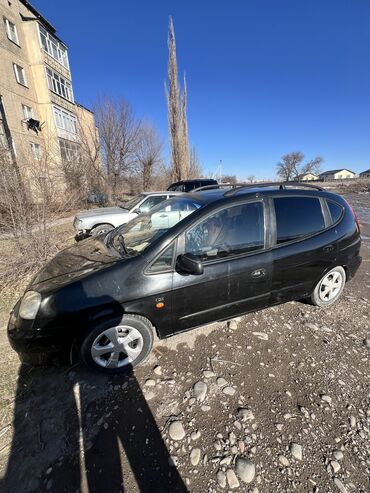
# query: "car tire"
{"type": "Point", "coordinates": [329, 288]}
{"type": "Point", "coordinates": [117, 346]}
{"type": "Point", "coordinates": [101, 229]}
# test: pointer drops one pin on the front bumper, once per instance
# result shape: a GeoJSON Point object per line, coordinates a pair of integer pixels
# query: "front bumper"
{"type": "Point", "coordinates": [34, 346]}
{"type": "Point", "coordinates": [81, 235]}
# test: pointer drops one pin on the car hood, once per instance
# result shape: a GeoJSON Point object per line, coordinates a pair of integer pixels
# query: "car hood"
{"type": "Point", "coordinates": [104, 211]}
{"type": "Point", "coordinates": [74, 262]}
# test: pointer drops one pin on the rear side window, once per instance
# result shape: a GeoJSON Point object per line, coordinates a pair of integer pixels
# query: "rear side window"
{"type": "Point", "coordinates": [335, 211]}
{"type": "Point", "coordinates": [297, 217]}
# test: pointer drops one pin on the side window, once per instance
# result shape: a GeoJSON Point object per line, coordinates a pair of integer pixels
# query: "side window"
{"type": "Point", "coordinates": [150, 202]}
{"type": "Point", "coordinates": [164, 261]}
{"type": "Point", "coordinates": [232, 231]}
{"type": "Point", "coordinates": [335, 211]}
{"type": "Point", "coordinates": [297, 217]}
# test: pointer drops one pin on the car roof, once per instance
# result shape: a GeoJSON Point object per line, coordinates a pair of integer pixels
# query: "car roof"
{"type": "Point", "coordinates": [213, 195]}
{"type": "Point", "coordinates": [164, 192]}
{"type": "Point", "coordinates": [194, 180]}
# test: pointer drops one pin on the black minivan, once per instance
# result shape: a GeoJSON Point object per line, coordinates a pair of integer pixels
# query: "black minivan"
{"type": "Point", "coordinates": [194, 259]}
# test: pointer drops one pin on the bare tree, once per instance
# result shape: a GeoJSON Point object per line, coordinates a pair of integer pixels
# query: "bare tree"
{"type": "Point", "coordinates": [89, 155]}
{"type": "Point", "coordinates": [251, 178]}
{"type": "Point", "coordinates": [119, 132]}
{"type": "Point", "coordinates": [195, 167]}
{"type": "Point", "coordinates": [291, 166]}
{"type": "Point", "coordinates": [177, 120]}
{"type": "Point", "coordinates": [312, 166]}
{"type": "Point", "coordinates": [148, 155]}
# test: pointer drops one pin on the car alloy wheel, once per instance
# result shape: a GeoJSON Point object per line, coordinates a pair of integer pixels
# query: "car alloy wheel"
{"type": "Point", "coordinates": [117, 347]}
{"type": "Point", "coordinates": [331, 286]}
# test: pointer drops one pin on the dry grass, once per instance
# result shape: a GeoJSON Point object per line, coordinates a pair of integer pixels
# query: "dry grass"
{"type": "Point", "coordinates": [21, 258]}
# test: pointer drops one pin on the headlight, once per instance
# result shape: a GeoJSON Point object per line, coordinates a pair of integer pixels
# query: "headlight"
{"type": "Point", "coordinates": [77, 223]}
{"type": "Point", "coordinates": [29, 305]}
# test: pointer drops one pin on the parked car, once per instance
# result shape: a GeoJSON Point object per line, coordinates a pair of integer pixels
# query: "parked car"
{"type": "Point", "coordinates": [97, 197]}
{"type": "Point", "coordinates": [191, 260]}
{"type": "Point", "coordinates": [189, 185]}
{"type": "Point", "coordinates": [97, 221]}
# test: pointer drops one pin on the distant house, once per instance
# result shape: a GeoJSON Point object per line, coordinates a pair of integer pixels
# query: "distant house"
{"type": "Point", "coordinates": [365, 174]}
{"type": "Point", "coordinates": [337, 174]}
{"type": "Point", "coordinates": [308, 177]}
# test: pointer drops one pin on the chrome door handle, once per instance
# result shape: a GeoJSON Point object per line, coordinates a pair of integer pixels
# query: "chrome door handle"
{"type": "Point", "coordinates": [258, 273]}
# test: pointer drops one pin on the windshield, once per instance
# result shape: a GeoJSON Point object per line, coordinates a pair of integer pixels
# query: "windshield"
{"type": "Point", "coordinates": [132, 202]}
{"type": "Point", "coordinates": [135, 236]}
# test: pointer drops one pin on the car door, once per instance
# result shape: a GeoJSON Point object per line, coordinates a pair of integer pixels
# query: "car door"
{"type": "Point", "coordinates": [304, 247]}
{"type": "Point", "coordinates": [232, 244]}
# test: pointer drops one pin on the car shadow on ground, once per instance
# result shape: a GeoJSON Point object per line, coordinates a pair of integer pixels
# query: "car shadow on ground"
{"type": "Point", "coordinates": [76, 430]}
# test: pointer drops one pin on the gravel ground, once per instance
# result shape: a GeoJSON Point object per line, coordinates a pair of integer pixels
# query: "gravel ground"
{"type": "Point", "coordinates": [276, 401]}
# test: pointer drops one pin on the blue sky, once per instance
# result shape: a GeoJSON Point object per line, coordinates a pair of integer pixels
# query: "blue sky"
{"type": "Point", "coordinates": [265, 77]}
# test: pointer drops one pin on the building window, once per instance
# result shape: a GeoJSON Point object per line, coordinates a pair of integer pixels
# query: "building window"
{"type": "Point", "coordinates": [65, 120]}
{"type": "Point", "coordinates": [3, 141]}
{"type": "Point", "coordinates": [20, 75]}
{"type": "Point", "coordinates": [59, 84]}
{"type": "Point", "coordinates": [53, 47]}
{"type": "Point", "coordinates": [11, 31]}
{"type": "Point", "coordinates": [35, 151]}
{"type": "Point", "coordinates": [27, 112]}
{"type": "Point", "coordinates": [69, 151]}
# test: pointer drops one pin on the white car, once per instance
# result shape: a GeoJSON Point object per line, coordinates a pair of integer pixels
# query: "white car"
{"type": "Point", "coordinates": [97, 221]}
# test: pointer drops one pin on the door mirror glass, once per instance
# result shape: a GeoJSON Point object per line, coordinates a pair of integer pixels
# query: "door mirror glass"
{"type": "Point", "coordinates": [189, 264]}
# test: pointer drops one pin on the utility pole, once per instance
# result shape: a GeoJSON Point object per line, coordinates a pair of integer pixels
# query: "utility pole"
{"type": "Point", "coordinates": [220, 171]}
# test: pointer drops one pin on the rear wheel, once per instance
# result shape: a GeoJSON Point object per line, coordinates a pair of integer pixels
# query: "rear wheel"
{"type": "Point", "coordinates": [117, 347]}
{"type": "Point", "coordinates": [329, 288]}
{"type": "Point", "coordinates": [102, 228]}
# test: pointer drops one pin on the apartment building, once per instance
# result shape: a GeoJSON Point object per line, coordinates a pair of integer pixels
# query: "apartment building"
{"type": "Point", "coordinates": [38, 111]}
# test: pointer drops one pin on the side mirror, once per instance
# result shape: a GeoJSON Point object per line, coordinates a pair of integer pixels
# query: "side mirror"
{"type": "Point", "coordinates": [143, 210]}
{"type": "Point", "coordinates": [189, 264]}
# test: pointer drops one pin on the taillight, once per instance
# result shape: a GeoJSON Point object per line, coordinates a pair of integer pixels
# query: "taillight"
{"type": "Point", "coordinates": [355, 218]}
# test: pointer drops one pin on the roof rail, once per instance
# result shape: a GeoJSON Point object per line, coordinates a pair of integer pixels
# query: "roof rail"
{"type": "Point", "coordinates": [215, 185]}
{"type": "Point", "coordinates": [282, 186]}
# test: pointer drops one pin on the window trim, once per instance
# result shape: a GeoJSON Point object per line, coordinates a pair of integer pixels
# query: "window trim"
{"type": "Point", "coordinates": [70, 89]}
{"type": "Point", "coordinates": [32, 112]}
{"type": "Point", "coordinates": [266, 237]}
{"type": "Point", "coordinates": [173, 243]}
{"type": "Point", "coordinates": [303, 237]}
{"type": "Point", "coordinates": [16, 75]}
{"type": "Point", "coordinates": [33, 146]}
{"type": "Point", "coordinates": [67, 142]}
{"type": "Point", "coordinates": [50, 38]}
{"type": "Point", "coordinates": [334, 223]}
{"type": "Point", "coordinates": [7, 22]}
{"type": "Point", "coordinates": [71, 115]}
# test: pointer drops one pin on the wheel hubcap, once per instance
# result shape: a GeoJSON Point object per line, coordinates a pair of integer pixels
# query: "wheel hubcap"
{"type": "Point", "coordinates": [116, 347]}
{"type": "Point", "coordinates": [330, 286]}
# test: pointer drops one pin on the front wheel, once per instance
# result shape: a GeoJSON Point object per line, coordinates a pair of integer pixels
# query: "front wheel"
{"type": "Point", "coordinates": [102, 228]}
{"type": "Point", "coordinates": [329, 288]}
{"type": "Point", "coordinates": [118, 347]}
